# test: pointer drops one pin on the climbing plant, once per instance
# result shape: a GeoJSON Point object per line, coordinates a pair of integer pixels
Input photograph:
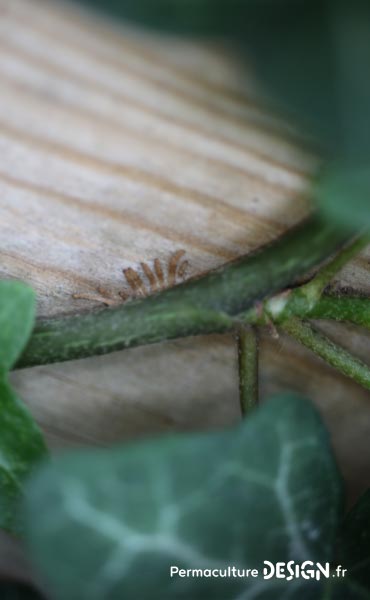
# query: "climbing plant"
{"type": "Point", "coordinates": [136, 520]}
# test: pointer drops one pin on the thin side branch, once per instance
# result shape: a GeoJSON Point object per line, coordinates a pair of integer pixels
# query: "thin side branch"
{"type": "Point", "coordinates": [248, 368]}
{"type": "Point", "coordinates": [301, 301]}
{"type": "Point", "coordinates": [332, 353]}
{"type": "Point", "coordinates": [314, 289]}
{"type": "Point", "coordinates": [349, 309]}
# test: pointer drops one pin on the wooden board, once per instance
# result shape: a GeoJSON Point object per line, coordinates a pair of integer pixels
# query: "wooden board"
{"type": "Point", "coordinates": [125, 154]}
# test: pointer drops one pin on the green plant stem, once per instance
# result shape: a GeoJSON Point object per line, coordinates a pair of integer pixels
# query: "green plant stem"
{"type": "Point", "coordinates": [314, 289]}
{"type": "Point", "coordinates": [302, 300]}
{"type": "Point", "coordinates": [195, 307]}
{"type": "Point", "coordinates": [248, 368]}
{"type": "Point", "coordinates": [332, 353]}
{"type": "Point", "coordinates": [349, 309]}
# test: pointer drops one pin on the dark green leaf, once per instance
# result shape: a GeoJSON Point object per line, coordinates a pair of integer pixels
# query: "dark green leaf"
{"type": "Point", "coordinates": [343, 193]}
{"type": "Point", "coordinates": [17, 313]}
{"type": "Point", "coordinates": [313, 58]}
{"type": "Point", "coordinates": [354, 547]}
{"type": "Point", "coordinates": [21, 443]}
{"type": "Point", "coordinates": [344, 589]}
{"type": "Point", "coordinates": [18, 591]}
{"type": "Point", "coordinates": [109, 524]}
{"type": "Point", "coordinates": [184, 16]}
{"type": "Point", "coordinates": [21, 447]}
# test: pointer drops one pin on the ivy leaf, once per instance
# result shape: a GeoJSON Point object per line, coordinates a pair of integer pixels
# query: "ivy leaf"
{"type": "Point", "coordinates": [21, 447]}
{"type": "Point", "coordinates": [343, 193]}
{"type": "Point", "coordinates": [354, 545]}
{"type": "Point", "coordinates": [17, 314]}
{"type": "Point", "coordinates": [311, 57]}
{"type": "Point", "coordinates": [345, 590]}
{"type": "Point", "coordinates": [108, 524]}
{"type": "Point", "coordinates": [21, 442]}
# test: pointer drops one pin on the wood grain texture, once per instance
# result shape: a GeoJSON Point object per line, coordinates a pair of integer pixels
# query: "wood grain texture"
{"type": "Point", "coordinates": [130, 162]}
{"type": "Point", "coordinates": [122, 158]}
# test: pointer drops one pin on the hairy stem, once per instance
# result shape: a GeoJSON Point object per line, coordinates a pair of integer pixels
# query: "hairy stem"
{"type": "Point", "coordinates": [205, 305]}
{"type": "Point", "coordinates": [314, 289]}
{"type": "Point", "coordinates": [349, 309]}
{"type": "Point", "coordinates": [304, 298]}
{"type": "Point", "coordinates": [301, 301]}
{"type": "Point", "coordinates": [248, 368]}
{"type": "Point", "coordinates": [332, 353]}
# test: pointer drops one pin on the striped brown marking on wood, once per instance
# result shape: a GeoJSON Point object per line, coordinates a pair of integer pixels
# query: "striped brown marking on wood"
{"type": "Point", "coordinates": [38, 267]}
{"type": "Point", "coordinates": [152, 141]}
{"type": "Point", "coordinates": [125, 217]}
{"type": "Point", "coordinates": [265, 122]}
{"type": "Point", "coordinates": [138, 175]}
{"type": "Point", "coordinates": [120, 96]}
{"type": "Point", "coordinates": [87, 115]}
{"type": "Point", "coordinates": [121, 46]}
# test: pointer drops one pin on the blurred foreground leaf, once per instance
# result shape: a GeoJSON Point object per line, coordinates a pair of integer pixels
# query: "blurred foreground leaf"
{"type": "Point", "coordinates": [345, 589]}
{"type": "Point", "coordinates": [109, 524]}
{"type": "Point", "coordinates": [21, 448]}
{"type": "Point", "coordinates": [18, 591]}
{"type": "Point", "coordinates": [354, 551]}
{"type": "Point", "coordinates": [182, 16]}
{"type": "Point", "coordinates": [21, 442]}
{"type": "Point", "coordinates": [17, 314]}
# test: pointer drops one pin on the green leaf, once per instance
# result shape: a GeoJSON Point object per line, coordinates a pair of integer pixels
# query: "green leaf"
{"type": "Point", "coordinates": [312, 58]}
{"type": "Point", "coordinates": [181, 16]}
{"type": "Point", "coordinates": [21, 442]}
{"type": "Point", "coordinates": [343, 193]}
{"type": "Point", "coordinates": [21, 448]}
{"type": "Point", "coordinates": [108, 524]}
{"type": "Point", "coordinates": [17, 314]}
{"type": "Point", "coordinates": [344, 589]}
{"type": "Point", "coordinates": [354, 545]}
